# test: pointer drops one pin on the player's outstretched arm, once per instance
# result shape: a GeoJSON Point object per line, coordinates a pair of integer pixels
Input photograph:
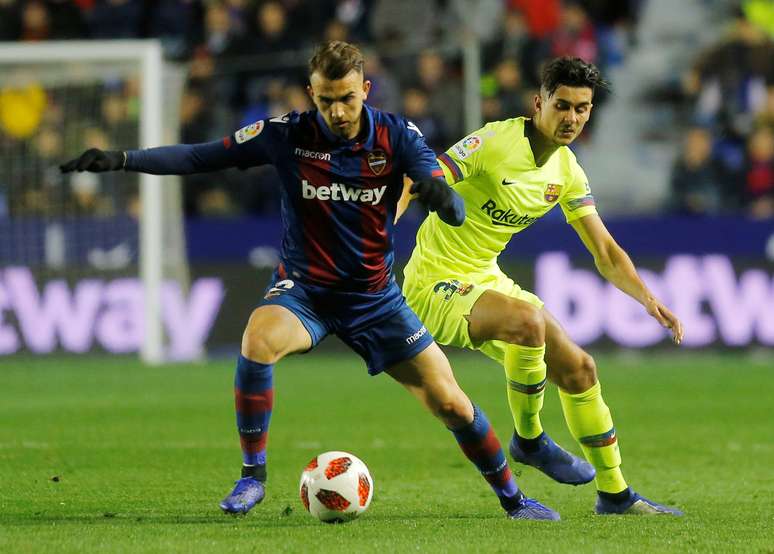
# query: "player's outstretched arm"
{"type": "Point", "coordinates": [439, 197]}
{"type": "Point", "coordinates": [178, 159]}
{"type": "Point", "coordinates": [614, 264]}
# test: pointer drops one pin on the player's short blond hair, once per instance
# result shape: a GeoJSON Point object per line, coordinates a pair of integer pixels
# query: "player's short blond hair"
{"type": "Point", "coordinates": [335, 59]}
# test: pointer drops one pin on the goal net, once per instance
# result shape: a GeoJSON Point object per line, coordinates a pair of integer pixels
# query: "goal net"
{"type": "Point", "coordinates": [86, 259]}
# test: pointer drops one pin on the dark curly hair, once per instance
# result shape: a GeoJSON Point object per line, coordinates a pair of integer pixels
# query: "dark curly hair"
{"type": "Point", "coordinates": [570, 72]}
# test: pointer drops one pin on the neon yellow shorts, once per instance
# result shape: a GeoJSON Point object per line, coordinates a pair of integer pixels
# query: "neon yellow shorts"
{"type": "Point", "coordinates": [443, 303]}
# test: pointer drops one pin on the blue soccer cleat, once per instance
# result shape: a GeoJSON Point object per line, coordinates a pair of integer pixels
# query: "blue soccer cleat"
{"type": "Point", "coordinates": [247, 493]}
{"type": "Point", "coordinates": [530, 508]}
{"type": "Point", "coordinates": [634, 505]}
{"type": "Point", "coordinates": [554, 461]}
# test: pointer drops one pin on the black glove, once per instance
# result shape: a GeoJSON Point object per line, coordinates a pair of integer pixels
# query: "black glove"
{"type": "Point", "coordinates": [433, 192]}
{"type": "Point", "coordinates": [96, 160]}
{"type": "Point", "coordinates": [439, 197]}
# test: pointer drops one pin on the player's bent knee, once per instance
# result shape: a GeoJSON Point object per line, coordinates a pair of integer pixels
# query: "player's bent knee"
{"type": "Point", "coordinates": [258, 349]}
{"type": "Point", "coordinates": [267, 338]}
{"type": "Point", "coordinates": [525, 325]}
{"type": "Point", "coordinates": [261, 344]}
{"type": "Point", "coordinates": [454, 409]}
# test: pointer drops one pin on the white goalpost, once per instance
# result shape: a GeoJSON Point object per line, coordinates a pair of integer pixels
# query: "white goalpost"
{"type": "Point", "coordinates": [71, 64]}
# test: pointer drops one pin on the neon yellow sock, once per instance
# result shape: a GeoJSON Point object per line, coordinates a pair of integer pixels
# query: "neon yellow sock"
{"type": "Point", "coordinates": [590, 422]}
{"type": "Point", "coordinates": [525, 371]}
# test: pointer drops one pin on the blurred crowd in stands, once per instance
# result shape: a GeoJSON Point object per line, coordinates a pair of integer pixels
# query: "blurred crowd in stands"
{"type": "Point", "coordinates": [246, 59]}
{"type": "Point", "coordinates": [726, 100]}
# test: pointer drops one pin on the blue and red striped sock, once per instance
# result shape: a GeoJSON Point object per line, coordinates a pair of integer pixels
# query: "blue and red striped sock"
{"type": "Point", "coordinates": [254, 396]}
{"type": "Point", "coordinates": [482, 447]}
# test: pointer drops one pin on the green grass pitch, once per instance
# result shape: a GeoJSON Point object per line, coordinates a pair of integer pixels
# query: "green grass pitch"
{"type": "Point", "coordinates": [105, 455]}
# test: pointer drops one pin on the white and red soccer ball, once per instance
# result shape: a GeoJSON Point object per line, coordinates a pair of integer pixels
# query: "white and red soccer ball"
{"type": "Point", "coordinates": [336, 487]}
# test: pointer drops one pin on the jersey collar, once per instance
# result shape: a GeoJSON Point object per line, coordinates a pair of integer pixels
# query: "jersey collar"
{"type": "Point", "coordinates": [366, 144]}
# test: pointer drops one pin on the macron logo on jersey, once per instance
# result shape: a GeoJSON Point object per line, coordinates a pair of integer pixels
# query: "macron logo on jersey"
{"type": "Point", "coordinates": [341, 192]}
{"type": "Point", "coordinates": [325, 156]}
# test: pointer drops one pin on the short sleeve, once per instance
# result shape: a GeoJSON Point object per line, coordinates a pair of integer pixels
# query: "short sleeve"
{"type": "Point", "coordinates": [577, 201]}
{"type": "Point", "coordinates": [463, 159]}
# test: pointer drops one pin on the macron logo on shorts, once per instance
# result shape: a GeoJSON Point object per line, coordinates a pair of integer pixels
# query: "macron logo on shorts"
{"type": "Point", "coordinates": [340, 192]}
{"type": "Point", "coordinates": [416, 336]}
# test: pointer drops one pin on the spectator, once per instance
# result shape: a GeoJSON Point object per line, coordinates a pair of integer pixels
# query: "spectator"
{"type": "Point", "coordinates": [86, 198]}
{"type": "Point", "coordinates": [416, 107]}
{"type": "Point", "coordinates": [353, 14]}
{"type": "Point", "coordinates": [47, 150]}
{"type": "Point", "coordinates": [511, 42]}
{"type": "Point", "coordinates": [483, 18]}
{"type": "Point", "coordinates": [9, 20]}
{"type": "Point", "coordinates": [296, 99]}
{"type": "Point", "coordinates": [542, 18]}
{"type": "Point", "coordinates": [336, 30]}
{"type": "Point", "coordinates": [696, 180]}
{"type": "Point", "coordinates": [239, 72]}
{"type": "Point", "coordinates": [271, 33]}
{"type": "Point", "coordinates": [765, 115]}
{"type": "Point", "coordinates": [575, 36]}
{"type": "Point", "coordinates": [195, 127]}
{"type": "Point", "coordinates": [614, 23]}
{"type": "Point", "coordinates": [42, 179]}
{"type": "Point", "coordinates": [729, 79]}
{"type": "Point", "coordinates": [514, 99]}
{"type": "Point", "coordinates": [178, 24]}
{"type": "Point", "coordinates": [759, 174]}
{"type": "Point", "coordinates": [112, 19]}
{"type": "Point", "coordinates": [308, 19]}
{"type": "Point", "coordinates": [115, 117]}
{"type": "Point", "coordinates": [400, 25]}
{"type": "Point", "coordinates": [35, 22]}
{"type": "Point", "coordinates": [444, 92]}
{"type": "Point", "coordinates": [195, 119]}
{"type": "Point", "coordinates": [385, 90]}
{"type": "Point", "coordinates": [221, 37]}
{"type": "Point", "coordinates": [239, 14]}
{"type": "Point", "coordinates": [68, 21]}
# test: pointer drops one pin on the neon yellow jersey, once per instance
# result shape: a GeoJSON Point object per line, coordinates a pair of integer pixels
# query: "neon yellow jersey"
{"type": "Point", "coordinates": [504, 191]}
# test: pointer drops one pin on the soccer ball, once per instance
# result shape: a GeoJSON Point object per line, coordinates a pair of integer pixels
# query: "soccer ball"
{"type": "Point", "coordinates": [336, 487]}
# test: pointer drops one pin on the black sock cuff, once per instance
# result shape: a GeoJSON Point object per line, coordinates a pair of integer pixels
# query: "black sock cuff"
{"type": "Point", "coordinates": [617, 497]}
{"type": "Point", "coordinates": [257, 472]}
{"type": "Point", "coordinates": [511, 502]}
{"type": "Point", "coordinates": [528, 445]}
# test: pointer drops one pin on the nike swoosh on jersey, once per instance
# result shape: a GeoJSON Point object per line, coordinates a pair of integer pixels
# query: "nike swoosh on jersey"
{"type": "Point", "coordinates": [506, 182]}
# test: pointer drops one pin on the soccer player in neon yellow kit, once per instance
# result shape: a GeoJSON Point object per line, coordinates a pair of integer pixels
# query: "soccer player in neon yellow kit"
{"type": "Point", "coordinates": [510, 173]}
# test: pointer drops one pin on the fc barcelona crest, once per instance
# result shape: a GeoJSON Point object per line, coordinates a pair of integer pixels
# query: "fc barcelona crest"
{"type": "Point", "coordinates": [377, 161]}
{"type": "Point", "coordinates": [552, 193]}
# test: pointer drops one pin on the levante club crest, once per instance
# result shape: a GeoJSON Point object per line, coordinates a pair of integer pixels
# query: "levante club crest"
{"type": "Point", "coordinates": [377, 161]}
{"type": "Point", "coordinates": [552, 193]}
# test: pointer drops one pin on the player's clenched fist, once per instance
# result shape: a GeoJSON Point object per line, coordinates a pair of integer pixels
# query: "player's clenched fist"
{"type": "Point", "coordinates": [440, 198]}
{"type": "Point", "coordinates": [96, 160]}
{"type": "Point", "coordinates": [433, 193]}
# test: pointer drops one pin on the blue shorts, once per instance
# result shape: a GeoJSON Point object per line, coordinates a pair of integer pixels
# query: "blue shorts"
{"type": "Point", "coordinates": [379, 326]}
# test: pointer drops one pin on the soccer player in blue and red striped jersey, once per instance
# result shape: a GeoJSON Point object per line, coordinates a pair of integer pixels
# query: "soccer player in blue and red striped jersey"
{"type": "Point", "coordinates": [341, 167]}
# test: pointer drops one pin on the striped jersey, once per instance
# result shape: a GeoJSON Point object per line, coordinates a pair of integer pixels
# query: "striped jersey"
{"type": "Point", "coordinates": [338, 197]}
